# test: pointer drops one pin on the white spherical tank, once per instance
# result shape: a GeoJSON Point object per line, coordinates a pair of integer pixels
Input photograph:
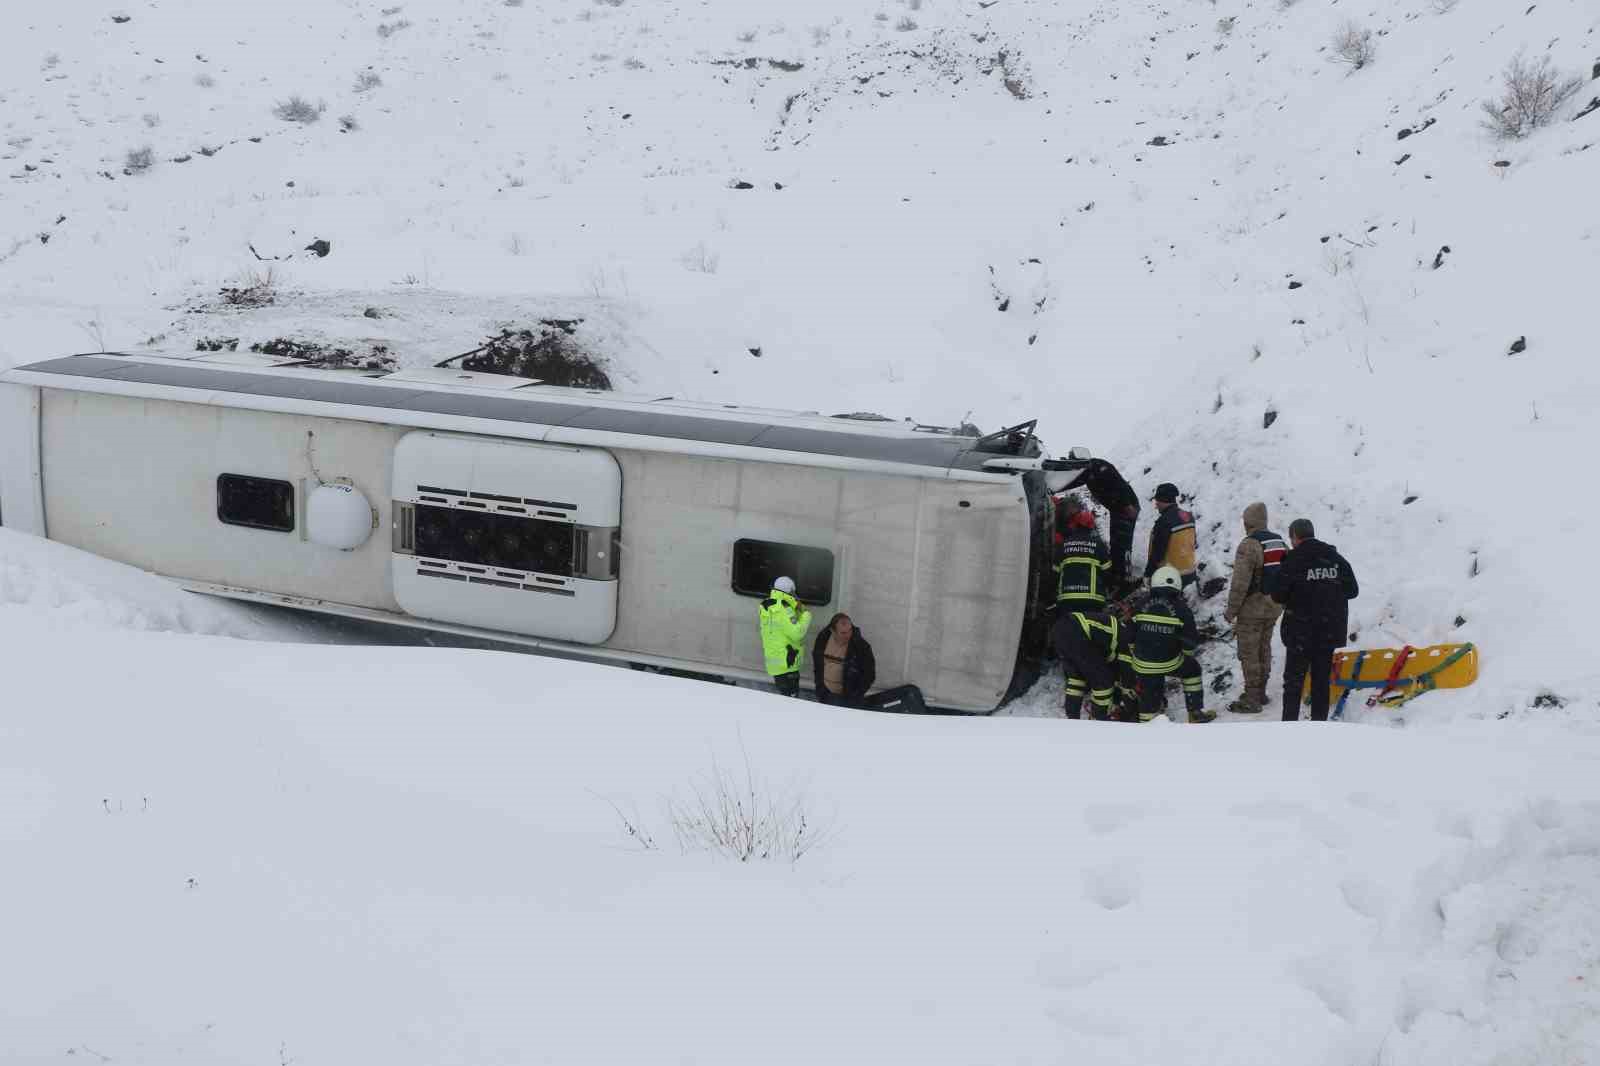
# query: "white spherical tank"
{"type": "Point", "coordinates": [338, 516]}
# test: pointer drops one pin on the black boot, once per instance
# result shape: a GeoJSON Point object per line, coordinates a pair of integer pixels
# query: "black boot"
{"type": "Point", "coordinates": [1197, 712]}
{"type": "Point", "coordinates": [1072, 706]}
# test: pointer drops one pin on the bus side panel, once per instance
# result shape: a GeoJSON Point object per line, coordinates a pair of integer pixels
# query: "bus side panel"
{"type": "Point", "coordinates": [135, 480]}
{"type": "Point", "coordinates": [972, 576]}
{"type": "Point", "coordinates": [21, 487]}
{"type": "Point", "coordinates": [681, 516]}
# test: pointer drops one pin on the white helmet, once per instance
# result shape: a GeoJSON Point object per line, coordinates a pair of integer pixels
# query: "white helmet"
{"type": "Point", "coordinates": [786, 584]}
{"type": "Point", "coordinates": [1167, 578]}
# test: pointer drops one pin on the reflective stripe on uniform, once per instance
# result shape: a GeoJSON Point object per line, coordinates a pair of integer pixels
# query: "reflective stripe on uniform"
{"type": "Point", "coordinates": [1142, 667]}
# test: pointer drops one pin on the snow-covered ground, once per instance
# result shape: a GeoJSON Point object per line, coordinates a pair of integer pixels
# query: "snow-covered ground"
{"type": "Point", "coordinates": [251, 851]}
{"type": "Point", "coordinates": [228, 851]}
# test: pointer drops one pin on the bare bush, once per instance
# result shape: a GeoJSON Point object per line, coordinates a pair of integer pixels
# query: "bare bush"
{"type": "Point", "coordinates": [1443, 7]}
{"type": "Point", "coordinates": [701, 259]}
{"type": "Point", "coordinates": [1532, 94]}
{"type": "Point", "coordinates": [513, 3]}
{"type": "Point", "coordinates": [348, 124]}
{"type": "Point", "coordinates": [820, 35]}
{"type": "Point", "coordinates": [735, 814]}
{"type": "Point", "coordinates": [633, 63]}
{"type": "Point", "coordinates": [367, 80]}
{"type": "Point", "coordinates": [253, 288]}
{"type": "Point", "coordinates": [138, 160]}
{"type": "Point", "coordinates": [905, 23]}
{"type": "Point", "coordinates": [298, 109]}
{"type": "Point", "coordinates": [746, 36]}
{"type": "Point", "coordinates": [389, 29]}
{"type": "Point", "coordinates": [551, 352]}
{"type": "Point", "coordinates": [204, 80]}
{"type": "Point", "coordinates": [1354, 46]}
{"type": "Point", "coordinates": [1225, 25]}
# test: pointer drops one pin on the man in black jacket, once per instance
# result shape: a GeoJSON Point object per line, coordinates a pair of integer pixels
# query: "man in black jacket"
{"type": "Point", "coordinates": [843, 663]}
{"type": "Point", "coordinates": [1111, 490]}
{"type": "Point", "coordinates": [1315, 585]}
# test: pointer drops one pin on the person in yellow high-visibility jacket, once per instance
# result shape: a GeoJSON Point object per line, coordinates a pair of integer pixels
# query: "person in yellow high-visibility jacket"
{"type": "Point", "coordinates": [784, 622]}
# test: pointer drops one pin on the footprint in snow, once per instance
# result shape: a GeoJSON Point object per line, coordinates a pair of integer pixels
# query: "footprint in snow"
{"type": "Point", "coordinates": [1104, 818]}
{"type": "Point", "coordinates": [1112, 887]}
{"type": "Point", "coordinates": [1362, 895]}
{"type": "Point", "coordinates": [1315, 824]}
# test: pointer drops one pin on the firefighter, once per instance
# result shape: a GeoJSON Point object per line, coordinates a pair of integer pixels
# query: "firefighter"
{"type": "Point", "coordinates": [1082, 561]}
{"type": "Point", "coordinates": [1251, 610]}
{"type": "Point", "coordinates": [1163, 644]}
{"type": "Point", "coordinates": [1088, 644]}
{"type": "Point", "coordinates": [1108, 488]}
{"type": "Point", "coordinates": [784, 622]}
{"type": "Point", "coordinates": [1172, 538]}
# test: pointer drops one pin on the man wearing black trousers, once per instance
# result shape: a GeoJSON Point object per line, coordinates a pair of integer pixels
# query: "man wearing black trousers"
{"type": "Point", "coordinates": [1315, 586]}
{"type": "Point", "coordinates": [1108, 488]}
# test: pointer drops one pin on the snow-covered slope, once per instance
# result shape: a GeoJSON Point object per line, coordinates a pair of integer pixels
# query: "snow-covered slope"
{"type": "Point", "coordinates": [242, 852]}
{"type": "Point", "coordinates": [249, 852]}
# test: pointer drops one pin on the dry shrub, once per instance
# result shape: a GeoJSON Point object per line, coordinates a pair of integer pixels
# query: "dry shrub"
{"type": "Point", "coordinates": [298, 109]}
{"type": "Point", "coordinates": [254, 288]}
{"type": "Point", "coordinates": [550, 353]}
{"type": "Point", "coordinates": [1532, 94]}
{"type": "Point", "coordinates": [1354, 46]}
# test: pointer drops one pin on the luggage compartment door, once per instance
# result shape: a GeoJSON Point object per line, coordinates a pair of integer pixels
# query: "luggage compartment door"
{"type": "Point", "coordinates": [507, 535]}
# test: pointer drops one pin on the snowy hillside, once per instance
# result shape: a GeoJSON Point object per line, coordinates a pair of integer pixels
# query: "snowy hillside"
{"type": "Point", "coordinates": [1183, 234]}
{"type": "Point", "coordinates": [1153, 226]}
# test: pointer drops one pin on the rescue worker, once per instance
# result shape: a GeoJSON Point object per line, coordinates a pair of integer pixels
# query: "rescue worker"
{"type": "Point", "coordinates": [1082, 561]}
{"type": "Point", "coordinates": [1251, 610]}
{"type": "Point", "coordinates": [1088, 644]}
{"type": "Point", "coordinates": [1108, 488]}
{"type": "Point", "coordinates": [1163, 644]}
{"type": "Point", "coordinates": [1315, 586]}
{"type": "Point", "coordinates": [842, 662]}
{"type": "Point", "coordinates": [1172, 538]}
{"type": "Point", "coordinates": [784, 622]}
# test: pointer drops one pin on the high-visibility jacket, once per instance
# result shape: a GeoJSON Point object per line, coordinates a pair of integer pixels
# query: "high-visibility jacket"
{"type": "Point", "coordinates": [1172, 543]}
{"type": "Point", "coordinates": [1082, 562]}
{"type": "Point", "coordinates": [784, 621]}
{"type": "Point", "coordinates": [1164, 633]}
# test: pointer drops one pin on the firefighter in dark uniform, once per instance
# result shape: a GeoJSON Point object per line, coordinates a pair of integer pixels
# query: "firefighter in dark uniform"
{"type": "Point", "coordinates": [1089, 644]}
{"type": "Point", "coordinates": [1163, 643]}
{"type": "Point", "coordinates": [1111, 490]}
{"type": "Point", "coordinates": [1082, 561]}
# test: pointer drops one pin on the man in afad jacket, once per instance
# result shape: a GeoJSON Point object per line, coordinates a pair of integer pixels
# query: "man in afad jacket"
{"type": "Point", "coordinates": [1251, 610]}
{"type": "Point", "coordinates": [784, 622]}
{"type": "Point", "coordinates": [1315, 587]}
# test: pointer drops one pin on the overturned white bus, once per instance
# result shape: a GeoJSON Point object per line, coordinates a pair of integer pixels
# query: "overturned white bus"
{"type": "Point", "coordinates": [627, 528]}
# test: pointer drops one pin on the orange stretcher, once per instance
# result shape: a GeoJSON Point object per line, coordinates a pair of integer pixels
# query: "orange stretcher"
{"type": "Point", "coordinates": [1393, 676]}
